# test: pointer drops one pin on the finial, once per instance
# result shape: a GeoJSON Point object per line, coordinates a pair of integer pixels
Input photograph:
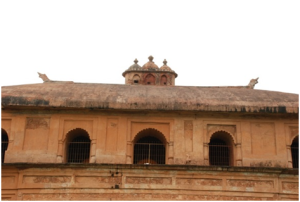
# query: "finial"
{"type": "Point", "coordinates": [135, 61]}
{"type": "Point", "coordinates": [150, 58]}
{"type": "Point", "coordinates": [165, 62]}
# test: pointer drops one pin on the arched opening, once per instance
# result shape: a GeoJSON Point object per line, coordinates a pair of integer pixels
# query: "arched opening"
{"type": "Point", "coordinates": [149, 148]}
{"type": "Point", "coordinates": [221, 149]}
{"type": "Point", "coordinates": [78, 146]}
{"type": "Point", "coordinates": [4, 144]}
{"type": "Point", "coordinates": [295, 152]}
{"type": "Point", "coordinates": [150, 79]}
{"type": "Point", "coordinates": [136, 79]}
{"type": "Point", "coordinates": [163, 80]}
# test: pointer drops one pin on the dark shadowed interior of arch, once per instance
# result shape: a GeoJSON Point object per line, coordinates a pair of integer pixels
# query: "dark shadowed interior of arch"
{"type": "Point", "coordinates": [295, 152]}
{"type": "Point", "coordinates": [4, 144]}
{"type": "Point", "coordinates": [220, 149]}
{"type": "Point", "coordinates": [148, 149]}
{"type": "Point", "coordinates": [78, 146]}
{"type": "Point", "coordinates": [136, 79]}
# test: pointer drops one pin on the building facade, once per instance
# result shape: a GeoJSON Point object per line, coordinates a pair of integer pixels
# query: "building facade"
{"type": "Point", "coordinates": [148, 140]}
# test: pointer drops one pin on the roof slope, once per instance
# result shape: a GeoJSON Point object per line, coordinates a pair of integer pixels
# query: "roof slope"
{"type": "Point", "coordinates": [146, 97]}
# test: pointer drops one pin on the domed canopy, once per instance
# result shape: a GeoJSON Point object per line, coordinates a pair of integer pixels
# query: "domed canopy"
{"type": "Point", "coordinates": [135, 66]}
{"type": "Point", "coordinates": [165, 66]}
{"type": "Point", "coordinates": [150, 64]}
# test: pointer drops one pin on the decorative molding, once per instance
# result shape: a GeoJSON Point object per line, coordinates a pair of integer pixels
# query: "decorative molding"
{"type": "Point", "coordinates": [290, 187]}
{"type": "Point", "coordinates": [213, 128]}
{"type": "Point", "coordinates": [200, 181]}
{"type": "Point", "coordinates": [162, 135]}
{"type": "Point", "coordinates": [250, 183]}
{"type": "Point", "coordinates": [139, 196]}
{"type": "Point", "coordinates": [36, 122]}
{"type": "Point", "coordinates": [149, 180]}
{"type": "Point", "coordinates": [98, 179]}
{"type": "Point", "coordinates": [46, 179]}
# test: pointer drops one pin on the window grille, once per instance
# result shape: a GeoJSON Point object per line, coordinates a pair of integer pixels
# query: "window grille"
{"type": "Point", "coordinates": [4, 144]}
{"type": "Point", "coordinates": [295, 153]}
{"type": "Point", "coordinates": [219, 153]}
{"type": "Point", "coordinates": [79, 150]}
{"type": "Point", "coordinates": [149, 150]}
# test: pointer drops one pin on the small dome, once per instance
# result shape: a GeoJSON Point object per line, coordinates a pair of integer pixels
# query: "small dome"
{"type": "Point", "coordinates": [165, 66]}
{"type": "Point", "coordinates": [135, 66]}
{"type": "Point", "coordinates": [150, 64]}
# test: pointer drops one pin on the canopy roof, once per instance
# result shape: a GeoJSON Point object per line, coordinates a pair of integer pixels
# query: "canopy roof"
{"type": "Point", "coordinates": [144, 97]}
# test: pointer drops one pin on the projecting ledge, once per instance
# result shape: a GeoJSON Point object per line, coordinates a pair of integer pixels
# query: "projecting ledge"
{"type": "Point", "coordinates": [289, 171]}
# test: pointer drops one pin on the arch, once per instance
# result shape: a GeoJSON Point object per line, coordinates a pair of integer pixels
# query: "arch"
{"type": "Point", "coordinates": [228, 133]}
{"type": "Point", "coordinates": [294, 137]}
{"type": "Point", "coordinates": [221, 147]}
{"type": "Point", "coordinates": [149, 147]}
{"type": "Point", "coordinates": [154, 132]}
{"type": "Point", "coordinates": [78, 146]}
{"type": "Point", "coordinates": [4, 144]}
{"type": "Point", "coordinates": [295, 151]}
{"type": "Point", "coordinates": [136, 78]}
{"type": "Point", "coordinates": [163, 80]}
{"type": "Point", "coordinates": [74, 132]}
{"type": "Point", "coordinates": [149, 79]}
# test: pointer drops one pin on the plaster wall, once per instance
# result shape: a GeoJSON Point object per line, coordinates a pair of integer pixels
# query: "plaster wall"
{"type": "Point", "coordinates": [37, 136]}
{"type": "Point", "coordinates": [141, 182]}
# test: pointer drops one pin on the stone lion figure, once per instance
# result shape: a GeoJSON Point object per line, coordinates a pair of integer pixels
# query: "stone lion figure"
{"type": "Point", "coordinates": [252, 83]}
{"type": "Point", "coordinates": [44, 77]}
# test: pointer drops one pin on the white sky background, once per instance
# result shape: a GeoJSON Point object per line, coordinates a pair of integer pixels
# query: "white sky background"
{"type": "Point", "coordinates": [207, 43]}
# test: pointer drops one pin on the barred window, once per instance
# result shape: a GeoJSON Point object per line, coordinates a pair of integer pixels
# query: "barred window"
{"type": "Point", "coordinates": [149, 150]}
{"type": "Point", "coordinates": [149, 147]}
{"type": "Point", "coordinates": [295, 152]}
{"type": "Point", "coordinates": [4, 144]}
{"type": "Point", "coordinates": [78, 147]}
{"type": "Point", "coordinates": [220, 149]}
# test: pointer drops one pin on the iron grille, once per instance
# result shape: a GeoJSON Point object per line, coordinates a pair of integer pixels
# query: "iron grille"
{"type": "Point", "coordinates": [219, 153]}
{"type": "Point", "coordinates": [295, 155]}
{"type": "Point", "coordinates": [4, 145]}
{"type": "Point", "coordinates": [79, 150]}
{"type": "Point", "coordinates": [149, 150]}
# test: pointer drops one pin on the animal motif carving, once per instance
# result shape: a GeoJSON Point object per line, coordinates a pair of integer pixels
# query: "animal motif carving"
{"type": "Point", "coordinates": [294, 186]}
{"type": "Point", "coordinates": [50, 179]}
{"type": "Point", "coordinates": [252, 83]}
{"type": "Point", "coordinates": [45, 78]}
{"type": "Point", "coordinates": [202, 182]}
{"type": "Point", "coordinates": [99, 179]}
{"type": "Point", "coordinates": [149, 180]}
{"type": "Point", "coordinates": [250, 183]}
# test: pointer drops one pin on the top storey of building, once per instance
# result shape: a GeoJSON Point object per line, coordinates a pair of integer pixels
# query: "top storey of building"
{"type": "Point", "coordinates": [148, 88]}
